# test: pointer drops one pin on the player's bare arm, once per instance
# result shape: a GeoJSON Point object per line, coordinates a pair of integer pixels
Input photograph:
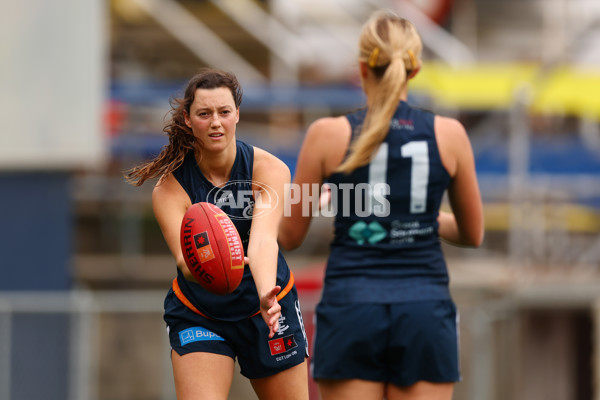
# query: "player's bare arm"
{"type": "Point", "coordinates": [464, 226]}
{"type": "Point", "coordinates": [169, 203]}
{"type": "Point", "coordinates": [323, 149]}
{"type": "Point", "coordinates": [270, 176]}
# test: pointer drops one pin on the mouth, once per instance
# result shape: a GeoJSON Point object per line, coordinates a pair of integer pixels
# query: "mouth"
{"type": "Point", "coordinates": [215, 135]}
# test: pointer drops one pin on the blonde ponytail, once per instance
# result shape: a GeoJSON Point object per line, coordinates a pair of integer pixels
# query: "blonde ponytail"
{"type": "Point", "coordinates": [390, 46]}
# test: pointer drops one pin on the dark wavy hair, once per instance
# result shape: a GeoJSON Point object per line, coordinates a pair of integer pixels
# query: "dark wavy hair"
{"type": "Point", "coordinates": [181, 137]}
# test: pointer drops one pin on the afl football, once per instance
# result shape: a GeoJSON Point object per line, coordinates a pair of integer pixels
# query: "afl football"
{"type": "Point", "coordinates": [212, 248]}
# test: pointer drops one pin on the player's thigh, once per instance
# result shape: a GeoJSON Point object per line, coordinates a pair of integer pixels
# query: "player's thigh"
{"type": "Point", "coordinates": [289, 384]}
{"type": "Point", "coordinates": [421, 390]}
{"type": "Point", "coordinates": [202, 375]}
{"type": "Point", "coordinates": [350, 389]}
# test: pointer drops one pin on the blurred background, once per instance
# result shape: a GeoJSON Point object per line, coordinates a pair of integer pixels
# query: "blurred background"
{"type": "Point", "coordinates": [84, 90]}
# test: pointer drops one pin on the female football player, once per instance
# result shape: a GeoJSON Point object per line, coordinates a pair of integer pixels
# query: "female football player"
{"type": "Point", "coordinates": [386, 325]}
{"type": "Point", "coordinates": [260, 322]}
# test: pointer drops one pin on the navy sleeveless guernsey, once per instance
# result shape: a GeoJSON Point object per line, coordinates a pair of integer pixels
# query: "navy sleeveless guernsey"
{"type": "Point", "coordinates": [236, 200]}
{"type": "Point", "coordinates": [386, 247]}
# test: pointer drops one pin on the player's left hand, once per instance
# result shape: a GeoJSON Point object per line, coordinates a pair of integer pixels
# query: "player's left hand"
{"type": "Point", "coordinates": [271, 310]}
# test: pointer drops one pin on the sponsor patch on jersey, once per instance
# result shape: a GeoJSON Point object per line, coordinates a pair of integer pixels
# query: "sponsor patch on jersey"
{"type": "Point", "coordinates": [398, 124]}
{"type": "Point", "coordinates": [281, 345]}
{"type": "Point", "coordinates": [371, 233]}
{"type": "Point", "coordinates": [197, 334]}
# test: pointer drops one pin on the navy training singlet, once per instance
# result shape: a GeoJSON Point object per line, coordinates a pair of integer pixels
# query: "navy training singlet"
{"type": "Point", "coordinates": [235, 198]}
{"type": "Point", "coordinates": [386, 247]}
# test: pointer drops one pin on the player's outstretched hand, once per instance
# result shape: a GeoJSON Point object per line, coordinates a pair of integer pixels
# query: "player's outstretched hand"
{"type": "Point", "coordinates": [271, 310]}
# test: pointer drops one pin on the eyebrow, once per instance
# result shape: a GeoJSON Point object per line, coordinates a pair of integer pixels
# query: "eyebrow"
{"type": "Point", "coordinates": [218, 108]}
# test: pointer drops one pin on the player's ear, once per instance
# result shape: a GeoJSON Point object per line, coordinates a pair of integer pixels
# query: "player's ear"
{"type": "Point", "coordinates": [186, 117]}
{"type": "Point", "coordinates": [364, 69]}
{"type": "Point", "coordinates": [415, 71]}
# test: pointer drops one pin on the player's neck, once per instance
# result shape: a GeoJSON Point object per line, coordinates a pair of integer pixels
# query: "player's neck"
{"type": "Point", "coordinates": [369, 89]}
{"type": "Point", "coordinates": [216, 167]}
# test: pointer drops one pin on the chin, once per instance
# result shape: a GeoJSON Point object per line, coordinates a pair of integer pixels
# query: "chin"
{"type": "Point", "coordinates": [218, 145]}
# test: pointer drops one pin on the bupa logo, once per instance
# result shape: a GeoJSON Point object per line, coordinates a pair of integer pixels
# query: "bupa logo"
{"type": "Point", "coordinates": [197, 334]}
{"type": "Point", "coordinates": [240, 198]}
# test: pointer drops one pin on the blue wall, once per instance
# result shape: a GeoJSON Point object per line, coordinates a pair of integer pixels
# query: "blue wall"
{"type": "Point", "coordinates": [36, 246]}
{"type": "Point", "coordinates": [37, 231]}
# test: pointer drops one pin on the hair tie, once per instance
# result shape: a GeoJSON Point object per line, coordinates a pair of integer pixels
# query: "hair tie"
{"type": "Point", "coordinates": [373, 57]}
{"type": "Point", "coordinates": [413, 60]}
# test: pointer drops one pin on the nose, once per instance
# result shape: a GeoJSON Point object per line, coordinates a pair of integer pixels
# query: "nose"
{"type": "Point", "coordinates": [215, 120]}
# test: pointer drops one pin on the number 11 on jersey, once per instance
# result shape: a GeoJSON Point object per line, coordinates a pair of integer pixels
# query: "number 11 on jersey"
{"type": "Point", "coordinates": [418, 152]}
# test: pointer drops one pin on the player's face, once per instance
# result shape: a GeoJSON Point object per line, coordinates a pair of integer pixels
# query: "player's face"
{"type": "Point", "coordinates": [213, 118]}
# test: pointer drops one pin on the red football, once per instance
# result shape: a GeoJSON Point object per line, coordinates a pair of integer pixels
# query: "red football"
{"type": "Point", "coordinates": [212, 248]}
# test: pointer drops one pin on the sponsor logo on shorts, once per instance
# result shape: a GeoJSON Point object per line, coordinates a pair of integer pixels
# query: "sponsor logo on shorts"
{"type": "Point", "coordinates": [282, 326]}
{"type": "Point", "coordinates": [197, 334]}
{"type": "Point", "coordinates": [282, 345]}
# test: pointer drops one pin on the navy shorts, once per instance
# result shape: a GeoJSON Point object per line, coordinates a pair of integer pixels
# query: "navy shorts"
{"type": "Point", "coordinates": [248, 339]}
{"type": "Point", "coordinates": [399, 343]}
